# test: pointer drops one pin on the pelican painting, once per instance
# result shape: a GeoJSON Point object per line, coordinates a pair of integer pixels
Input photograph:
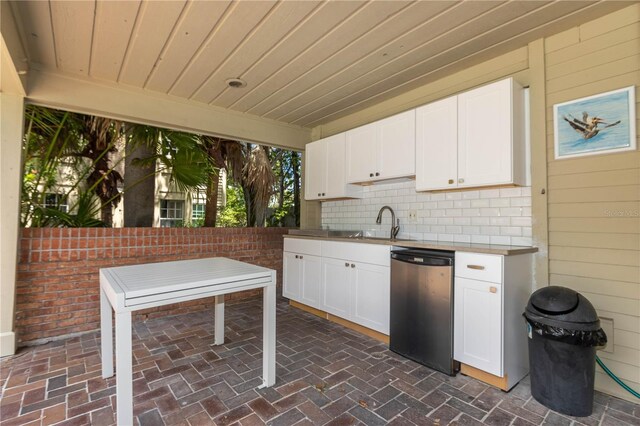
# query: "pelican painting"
{"type": "Point", "coordinates": [597, 124]}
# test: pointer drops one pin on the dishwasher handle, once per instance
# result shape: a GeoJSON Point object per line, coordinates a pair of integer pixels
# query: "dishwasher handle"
{"type": "Point", "coordinates": [422, 259]}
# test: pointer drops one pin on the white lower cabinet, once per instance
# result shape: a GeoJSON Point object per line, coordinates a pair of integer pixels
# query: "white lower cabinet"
{"type": "Point", "coordinates": [370, 292]}
{"type": "Point", "coordinates": [491, 292]}
{"type": "Point", "coordinates": [349, 280]}
{"type": "Point", "coordinates": [478, 320]}
{"type": "Point", "coordinates": [336, 288]}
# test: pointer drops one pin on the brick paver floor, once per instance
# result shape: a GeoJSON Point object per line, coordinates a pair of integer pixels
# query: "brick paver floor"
{"type": "Point", "coordinates": [326, 374]}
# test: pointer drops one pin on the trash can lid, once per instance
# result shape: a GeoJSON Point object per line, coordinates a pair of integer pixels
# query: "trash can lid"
{"type": "Point", "coordinates": [555, 300]}
{"type": "Point", "coordinates": [562, 307]}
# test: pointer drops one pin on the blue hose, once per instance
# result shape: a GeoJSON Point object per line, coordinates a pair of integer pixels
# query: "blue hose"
{"type": "Point", "coordinates": [617, 380]}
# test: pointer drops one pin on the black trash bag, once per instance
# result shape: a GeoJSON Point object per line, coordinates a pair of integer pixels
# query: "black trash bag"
{"type": "Point", "coordinates": [589, 338]}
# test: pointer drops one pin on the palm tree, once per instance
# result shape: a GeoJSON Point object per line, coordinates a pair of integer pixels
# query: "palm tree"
{"type": "Point", "coordinates": [54, 135]}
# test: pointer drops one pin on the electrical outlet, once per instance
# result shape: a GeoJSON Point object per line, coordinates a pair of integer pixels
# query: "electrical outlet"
{"type": "Point", "coordinates": [413, 216]}
{"type": "Point", "coordinates": [607, 327]}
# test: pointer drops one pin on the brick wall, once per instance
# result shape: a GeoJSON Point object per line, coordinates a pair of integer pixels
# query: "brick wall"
{"type": "Point", "coordinates": [58, 285]}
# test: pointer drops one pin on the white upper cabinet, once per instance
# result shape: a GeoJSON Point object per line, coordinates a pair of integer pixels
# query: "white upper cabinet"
{"type": "Point", "coordinates": [382, 150]}
{"type": "Point", "coordinates": [325, 170]}
{"type": "Point", "coordinates": [473, 139]}
{"type": "Point", "coordinates": [491, 135]}
{"type": "Point", "coordinates": [437, 145]}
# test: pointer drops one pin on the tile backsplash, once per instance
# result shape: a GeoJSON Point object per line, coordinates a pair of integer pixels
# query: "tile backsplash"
{"type": "Point", "coordinates": [488, 216]}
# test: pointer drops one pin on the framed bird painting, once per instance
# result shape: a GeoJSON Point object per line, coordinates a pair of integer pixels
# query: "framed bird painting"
{"type": "Point", "coordinates": [599, 124]}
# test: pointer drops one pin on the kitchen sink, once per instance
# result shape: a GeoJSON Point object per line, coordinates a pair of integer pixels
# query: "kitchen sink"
{"type": "Point", "coordinates": [334, 233]}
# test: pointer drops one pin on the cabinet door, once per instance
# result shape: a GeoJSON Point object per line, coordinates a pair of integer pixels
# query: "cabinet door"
{"type": "Point", "coordinates": [478, 325]}
{"type": "Point", "coordinates": [437, 145]}
{"type": "Point", "coordinates": [291, 275]}
{"type": "Point", "coordinates": [335, 287]}
{"type": "Point", "coordinates": [311, 273]}
{"type": "Point", "coordinates": [361, 155]}
{"type": "Point", "coordinates": [485, 135]}
{"type": "Point", "coordinates": [315, 170]}
{"type": "Point", "coordinates": [396, 146]}
{"type": "Point", "coordinates": [370, 296]}
{"type": "Point", "coordinates": [336, 181]}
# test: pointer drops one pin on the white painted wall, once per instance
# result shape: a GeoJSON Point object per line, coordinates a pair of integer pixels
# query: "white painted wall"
{"type": "Point", "coordinates": [11, 123]}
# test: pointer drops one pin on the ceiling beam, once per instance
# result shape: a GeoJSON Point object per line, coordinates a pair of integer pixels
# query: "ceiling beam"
{"type": "Point", "coordinates": [140, 106]}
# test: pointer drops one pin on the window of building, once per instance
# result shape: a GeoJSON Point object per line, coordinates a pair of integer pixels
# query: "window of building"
{"type": "Point", "coordinates": [197, 212]}
{"type": "Point", "coordinates": [171, 213]}
{"type": "Point", "coordinates": [56, 201]}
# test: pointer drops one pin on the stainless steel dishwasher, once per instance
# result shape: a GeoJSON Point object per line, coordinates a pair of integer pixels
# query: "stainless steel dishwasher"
{"type": "Point", "coordinates": [421, 326]}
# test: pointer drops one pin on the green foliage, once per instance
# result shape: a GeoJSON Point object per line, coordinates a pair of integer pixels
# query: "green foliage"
{"type": "Point", "coordinates": [84, 216]}
{"type": "Point", "coordinates": [285, 202]}
{"type": "Point", "coordinates": [233, 215]}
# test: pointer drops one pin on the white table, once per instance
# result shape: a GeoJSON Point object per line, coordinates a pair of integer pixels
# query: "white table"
{"type": "Point", "coordinates": [130, 288]}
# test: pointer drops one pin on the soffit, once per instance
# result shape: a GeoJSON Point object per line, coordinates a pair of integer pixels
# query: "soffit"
{"type": "Point", "coordinates": [305, 62]}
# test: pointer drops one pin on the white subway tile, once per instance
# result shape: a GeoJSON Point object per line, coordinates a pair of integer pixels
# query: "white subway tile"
{"type": "Point", "coordinates": [489, 193]}
{"type": "Point", "coordinates": [521, 241]}
{"type": "Point", "coordinates": [431, 236]}
{"type": "Point", "coordinates": [436, 197]}
{"type": "Point", "coordinates": [480, 220]}
{"type": "Point", "coordinates": [510, 192]}
{"type": "Point", "coordinates": [461, 204]}
{"type": "Point", "coordinates": [445, 221]}
{"type": "Point", "coordinates": [454, 212]}
{"type": "Point", "coordinates": [471, 212]}
{"type": "Point", "coordinates": [453, 196]}
{"type": "Point", "coordinates": [481, 239]}
{"type": "Point", "coordinates": [500, 221]}
{"type": "Point", "coordinates": [520, 201]}
{"type": "Point", "coordinates": [471, 230]}
{"type": "Point", "coordinates": [526, 191]}
{"type": "Point", "coordinates": [526, 231]}
{"type": "Point", "coordinates": [500, 240]}
{"type": "Point", "coordinates": [445, 237]}
{"type": "Point", "coordinates": [445, 204]}
{"type": "Point", "coordinates": [490, 230]}
{"type": "Point", "coordinates": [520, 221]}
{"type": "Point", "coordinates": [462, 221]}
{"type": "Point", "coordinates": [512, 231]}
{"type": "Point", "coordinates": [499, 202]}
{"type": "Point", "coordinates": [525, 211]}
{"type": "Point", "coordinates": [453, 229]}
{"type": "Point", "coordinates": [462, 238]}
{"type": "Point", "coordinates": [437, 213]}
{"type": "Point", "coordinates": [489, 212]}
{"type": "Point", "coordinates": [511, 211]}
{"type": "Point", "coordinates": [480, 203]}
{"type": "Point", "coordinates": [470, 195]}
{"type": "Point", "coordinates": [438, 229]}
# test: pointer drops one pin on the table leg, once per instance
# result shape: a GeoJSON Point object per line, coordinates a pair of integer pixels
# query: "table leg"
{"type": "Point", "coordinates": [124, 369]}
{"type": "Point", "coordinates": [269, 336]}
{"type": "Point", "coordinates": [218, 331]}
{"type": "Point", "coordinates": [106, 335]}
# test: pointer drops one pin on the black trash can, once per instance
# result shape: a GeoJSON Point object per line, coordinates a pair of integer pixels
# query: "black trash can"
{"type": "Point", "coordinates": [564, 331]}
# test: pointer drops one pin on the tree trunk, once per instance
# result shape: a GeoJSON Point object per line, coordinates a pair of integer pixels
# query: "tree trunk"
{"type": "Point", "coordinates": [211, 208]}
{"type": "Point", "coordinates": [140, 186]}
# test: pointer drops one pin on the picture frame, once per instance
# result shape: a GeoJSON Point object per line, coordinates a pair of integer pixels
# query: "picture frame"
{"type": "Point", "coordinates": [598, 124]}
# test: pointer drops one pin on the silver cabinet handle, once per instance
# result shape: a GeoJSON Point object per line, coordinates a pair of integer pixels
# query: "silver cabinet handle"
{"type": "Point", "coordinates": [346, 264]}
{"type": "Point", "coordinates": [377, 173]}
{"type": "Point", "coordinates": [493, 289]}
{"type": "Point", "coordinates": [461, 180]}
{"type": "Point", "coordinates": [353, 265]}
{"type": "Point", "coordinates": [300, 256]}
{"type": "Point", "coordinates": [297, 256]}
{"type": "Point", "coordinates": [450, 181]}
{"type": "Point", "coordinates": [478, 267]}
{"type": "Point", "coordinates": [370, 174]}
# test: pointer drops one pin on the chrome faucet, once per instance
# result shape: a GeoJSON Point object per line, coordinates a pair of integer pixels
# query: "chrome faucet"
{"type": "Point", "coordinates": [394, 229]}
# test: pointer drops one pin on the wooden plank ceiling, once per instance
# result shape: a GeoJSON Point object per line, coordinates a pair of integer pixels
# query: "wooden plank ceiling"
{"type": "Point", "coordinates": [304, 62]}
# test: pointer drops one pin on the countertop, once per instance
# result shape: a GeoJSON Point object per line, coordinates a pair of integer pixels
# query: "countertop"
{"type": "Point", "coordinates": [435, 245]}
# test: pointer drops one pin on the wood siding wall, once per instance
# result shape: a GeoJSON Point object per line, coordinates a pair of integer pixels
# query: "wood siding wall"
{"type": "Point", "coordinates": [594, 202]}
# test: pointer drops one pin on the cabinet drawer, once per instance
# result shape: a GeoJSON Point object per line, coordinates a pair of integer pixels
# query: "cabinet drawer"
{"type": "Point", "coordinates": [476, 266]}
{"type": "Point", "coordinates": [358, 252]}
{"type": "Point", "coordinates": [298, 245]}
